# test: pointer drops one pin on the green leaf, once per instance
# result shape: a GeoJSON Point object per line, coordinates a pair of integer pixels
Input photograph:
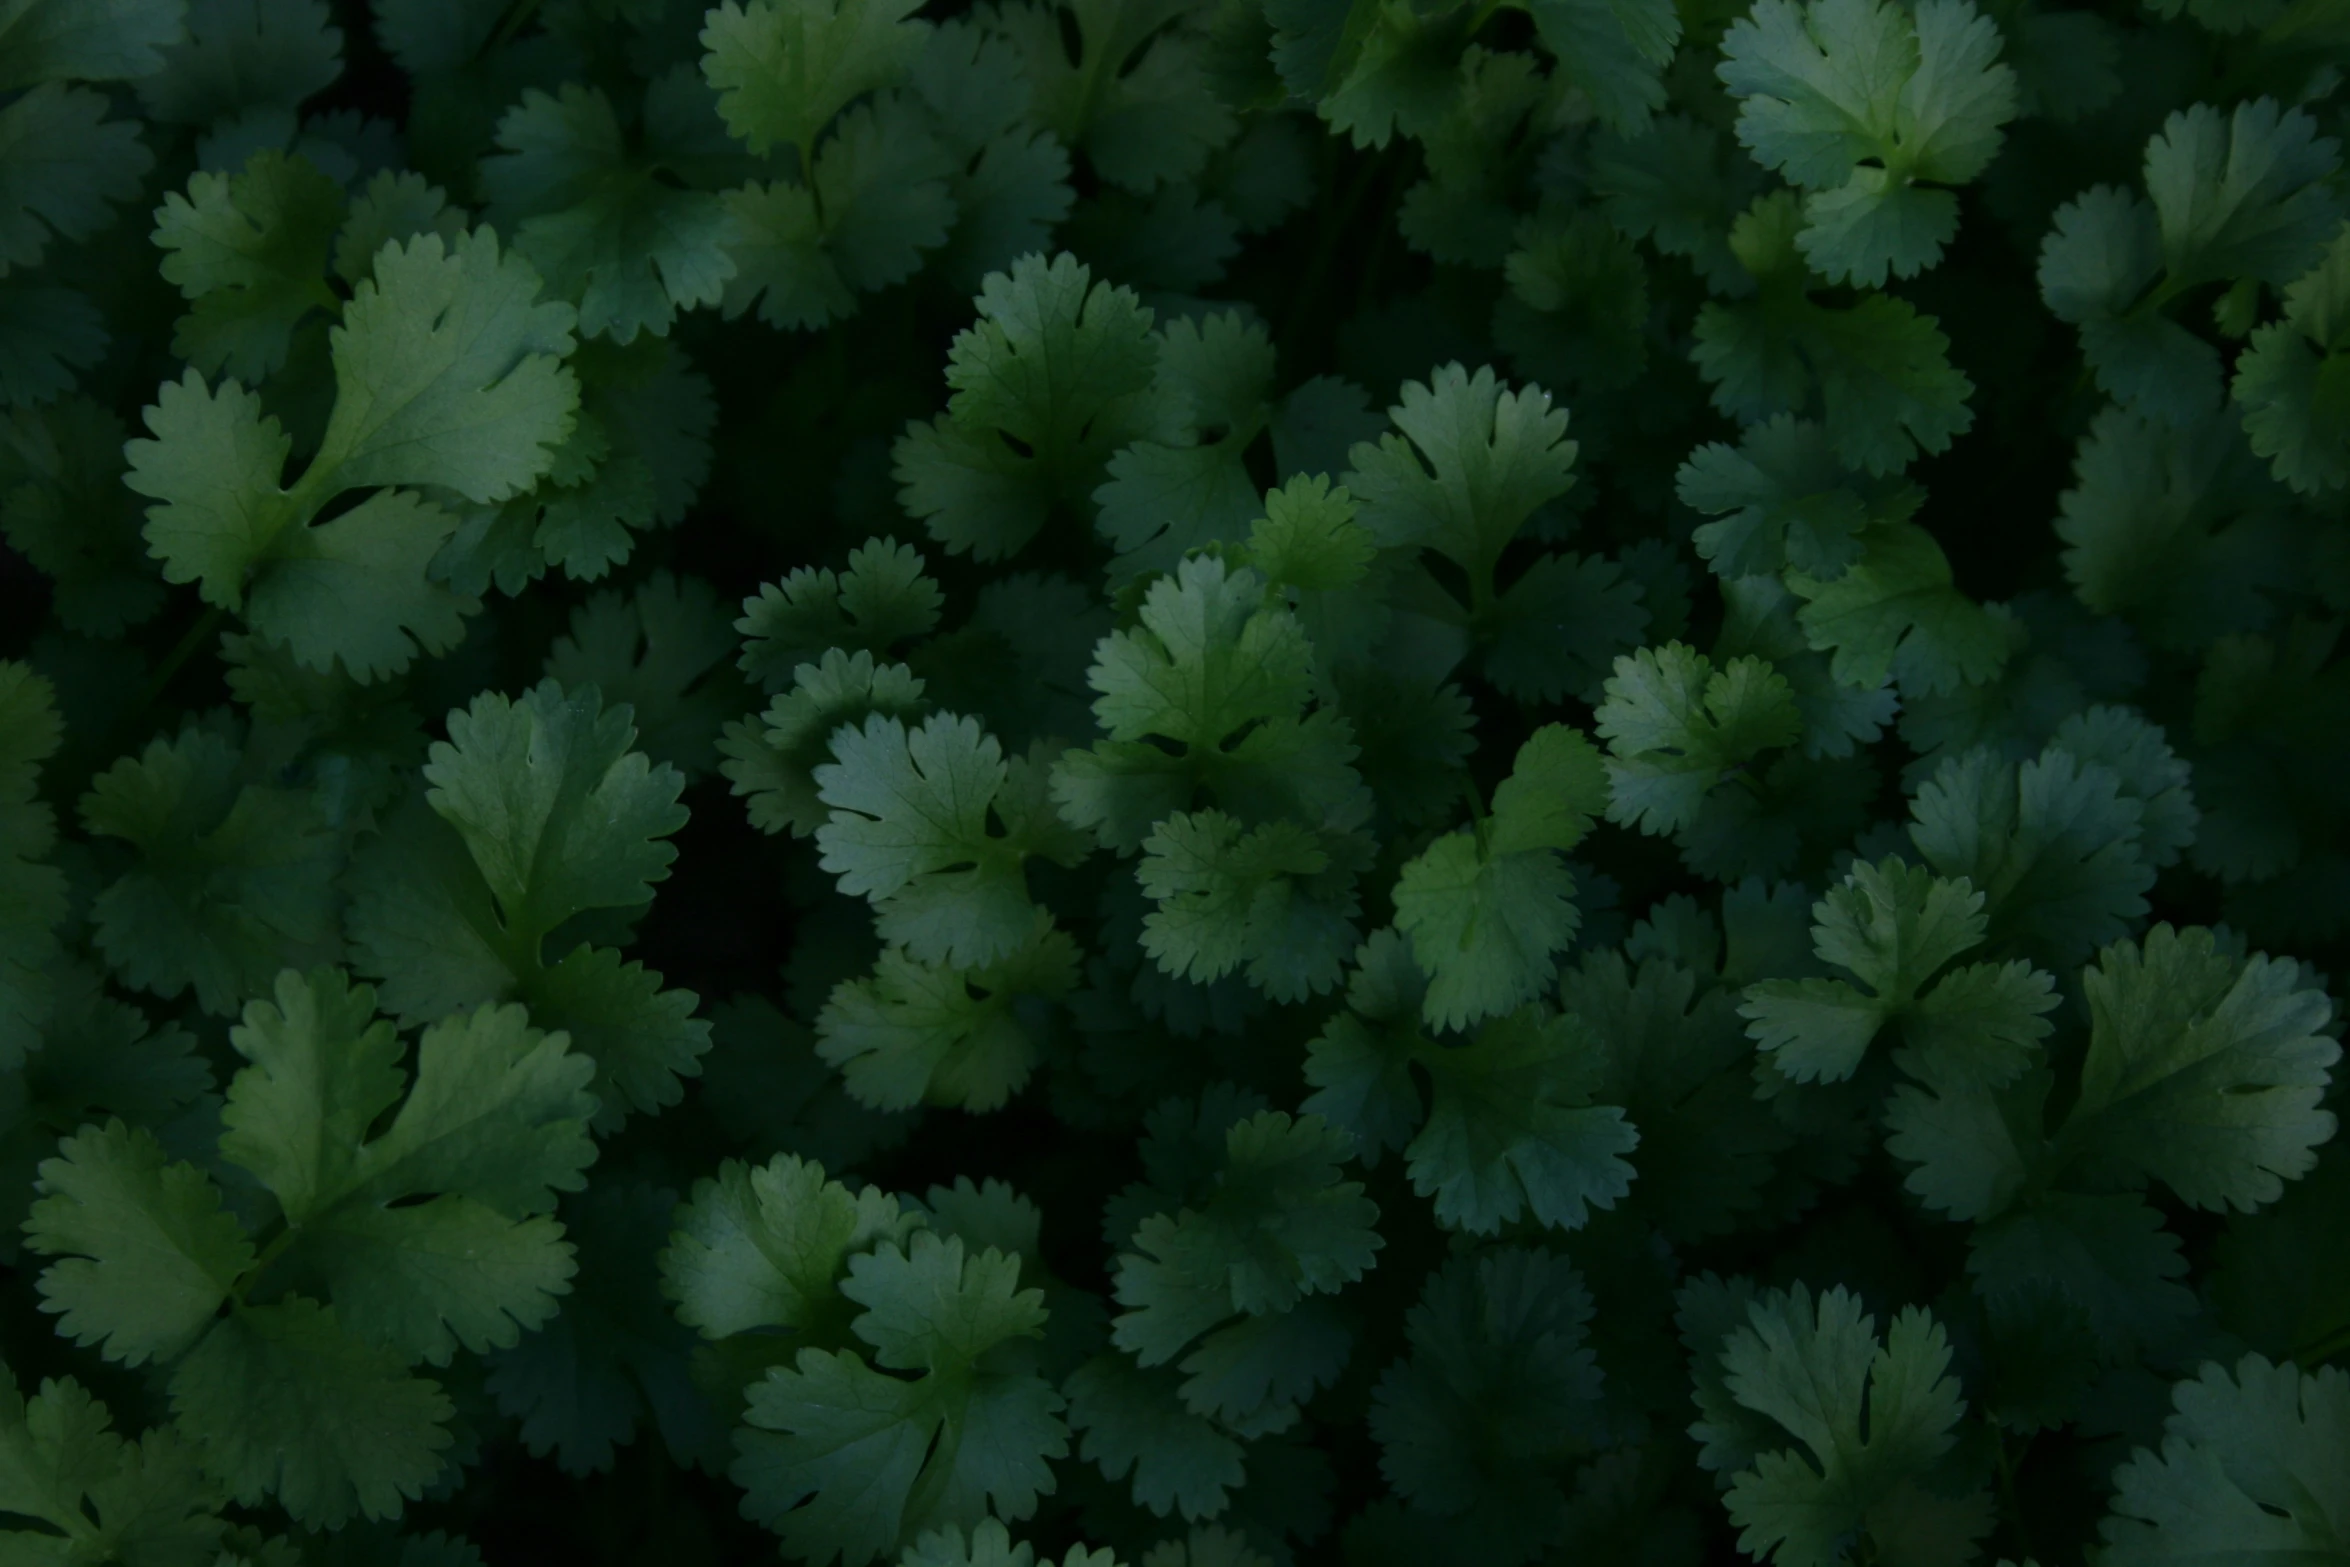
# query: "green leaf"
{"type": "Point", "coordinates": [1897, 613]}
{"type": "Point", "coordinates": [772, 758]}
{"type": "Point", "coordinates": [783, 68]}
{"type": "Point", "coordinates": [233, 880]}
{"type": "Point", "coordinates": [1511, 1129]}
{"type": "Point", "coordinates": [1126, 82]}
{"type": "Point", "coordinates": [282, 1402]}
{"type": "Point", "coordinates": [105, 1498]}
{"type": "Point", "coordinates": [910, 831]}
{"type": "Point", "coordinates": [1784, 501]}
{"type": "Point", "coordinates": [1614, 50]}
{"type": "Point", "coordinates": [879, 200]}
{"type": "Point", "coordinates": [1497, 1389]}
{"type": "Point", "coordinates": [1271, 898]}
{"type": "Point", "coordinates": [1279, 1226]}
{"type": "Point", "coordinates": [2251, 1466]}
{"type": "Point", "coordinates": [448, 375]}
{"type": "Point", "coordinates": [921, 1033]}
{"type": "Point", "coordinates": [1862, 103]}
{"type": "Point", "coordinates": [1055, 376]}
{"type": "Point", "coordinates": [431, 1235]}
{"type": "Point", "coordinates": [598, 222]}
{"type": "Point", "coordinates": [66, 511]}
{"type": "Point", "coordinates": [989, 1544]}
{"type": "Point", "coordinates": [64, 168]}
{"type": "Point", "coordinates": [883, 598]}
{"type": "Point", "coordinates": [148, 1255]}
{"type": "Point", "coordinates": [1129, 1419]}
{"type": "Point", "coordinates": [250, 254]}
{"type": "Point", "coordinates": [765, 1247]}
{"type": "Point", "coordinates": [1895, 928]}
{"type": "Point", "coordinates": [1210, 692]}
{"type": "Point", "coordinates": [240, 55]}
{"type": "Point", "coordinates": [1678, 728]}
{"type": "Point", "coordinates": [538, 812]}
{"type": "Point", "coordinates": [1877, 372]}
{"type": "Point", "coordinates": [2054, 844]}
{"type": "Point", "coordinates": [1487, 910]}
{"type": "Point", "coordinates": [844, 1460]}
{"type": "Point", "coordinates": [1875, 1416]}
{"type": "Point", "coordinates": [558, 813]}
{"type": "Point", "coordinates": [2293, 381]}
{"type": "Point", "coordinates": [85, 40]}
{"type": "Point", "coordinates": [2240, 196]}
{"type": "Point", "coordinates": [2204, 1071]}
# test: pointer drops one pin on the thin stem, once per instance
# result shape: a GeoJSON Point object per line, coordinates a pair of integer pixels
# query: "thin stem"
{"type": "Point", "coordinates": [2325, 1349]}
{"type": "Point", "coordinates": [269, 1254]}
{"type": "Point", "coordinates": [2007, 1494]}
{"type": "Point", "coordinates": [205, 627]}
{"type": "Point", "coordinates": [516, 20]}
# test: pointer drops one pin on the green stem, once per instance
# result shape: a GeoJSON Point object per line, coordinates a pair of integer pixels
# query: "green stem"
{"type": "Point", "coordinates": [205, 627]}
{"type": "Point", "coordinates": [516, 20]}
{"type": "Point", "coordinates": [2309, 1356]}
{"type": "Point", "coordinates": [270, 1253]}
{"type": "Point", "coordinates": [2007, 1495]}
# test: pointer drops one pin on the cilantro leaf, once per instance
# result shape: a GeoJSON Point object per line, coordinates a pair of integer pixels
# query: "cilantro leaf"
{"type": "Point", "coordinates": [2240, 196]}
{"type": "Point", "coordinates": [1130, 1419]}
{"type": "Point", "coordinates": [663, 652]}
{"type": "Point", "coordinates": [915, 1033]}
{"type": "Point", "coordinates": [1054, 377]}
{"type": "Point", "coordinates": [2293, 381]}
{"type": "Point", "coordinates": [1511, 1129]}
{"type": "Point", "coordinates": [1126, 84]}
{"type": "Point", "coordinates": [1208, 693]}
{"type": "Point", "coordinates": [1784, 500]}
{"type": "Point", "coordinates": [1278, 1226]}
{"type": "Point", "coordinates": [878, 200]}
{"type": "Point", "coordinates": [1678, 728]}
{"type": "Point", "coordinates": [2054, 844]}
{"type": "Point", "coordinates": [2204, 1070]}
{"type": "Point", "coordinates": [240, 55]}
{"type": "Point", "coordinates": [537, 812]}
{"type": "Point", "coordinates": [1271, 897]}
{"type": "Point", "coordinates": [113, 1203]}
{"type": "Point", "coordinates": [1896, 613]}
{"type": "Point", "coordinates": [2250, 1465]}
{"type": "Point", "coordinates": [772, 758]}
{"type": "Point", "coordinates": [601, 220]}
{"type": "Point", "coordinates": [103, 1497]}
{"type": "Point", "coordinates": [1876, 1415]}
{"type": "Point", "coordinates": [989, 1544]}
{"type": "Point", "coordinates": [1498, 1387]}
{"type": "Point", "coordinates": [63, 507]}
{"type": "Point", "coordinates": [1486, 910]}
{"type": "Point", "coordinates": [249, 252]}
{"type": "Point", "coordinates": [1615, 52]}
{"type": "Point", "coordinates": [1877, 371]}
{"type": "Point", "coordinates": [1864, 104]}
{"type": "Point", "coordinates": [85, 40]}
{"type": "Point", "coordinates": [233, 880]}
{"type": "Point", "coordinates": [910, 830]}
{"type": "Point", "coordinates": [448, 376]}
{"type": "Point", "coordinates": [765, 1247]}
{"type": "Point", "coordinates": [64, 168]}
{"type": "Point", "coordinates": [282, 1401]}
{"type": "Point", "coordinates": [1895, 928]}
{"type": "Point", "coordinates": [883, 598]}
{"type": "Point", "coordinates": [416, 1202]}
{"type": "Point", "coordinates": [1673, 1056]}
{"type": "Point", "coordinates": [783, 68]}
{"type": "Point", "coordinates": [846, 1461]}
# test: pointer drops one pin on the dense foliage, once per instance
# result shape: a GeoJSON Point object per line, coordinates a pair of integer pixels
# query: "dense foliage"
{"type": "Point", "coordinates": [1173, 783]}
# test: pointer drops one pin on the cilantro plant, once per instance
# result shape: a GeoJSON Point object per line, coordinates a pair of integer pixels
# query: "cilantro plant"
{"type": "Point", "coordinates": [1174, 783]}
